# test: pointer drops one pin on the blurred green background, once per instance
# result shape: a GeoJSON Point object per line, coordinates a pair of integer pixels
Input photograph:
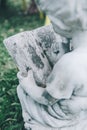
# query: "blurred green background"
{"type": "Point", "coordinates": [15, 16]}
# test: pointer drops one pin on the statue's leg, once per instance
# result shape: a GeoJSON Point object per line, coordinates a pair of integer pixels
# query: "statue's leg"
{"type": "Point", "coordinates": [32, 112]}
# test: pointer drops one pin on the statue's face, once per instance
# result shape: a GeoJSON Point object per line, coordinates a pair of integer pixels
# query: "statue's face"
{"type": "Point", "coordinates": [58, 49]}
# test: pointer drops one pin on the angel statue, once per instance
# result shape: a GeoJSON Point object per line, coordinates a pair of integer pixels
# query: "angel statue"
{"type": "Point", "coordinates": [52, 62]}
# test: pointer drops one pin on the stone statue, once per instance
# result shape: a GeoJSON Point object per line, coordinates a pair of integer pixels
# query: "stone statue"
{"type": "Point", "coordinates": [53, 78]}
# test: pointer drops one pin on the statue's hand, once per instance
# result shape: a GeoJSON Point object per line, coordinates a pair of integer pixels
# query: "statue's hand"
{"type": "Point", "coordinates": [26, 80]}
{"type": "Point", "coordinates": [30, 87]}
{"type": "Point", "coordinates": [69, 107]}
{"type": "Point", "coordinates": [73, 105]}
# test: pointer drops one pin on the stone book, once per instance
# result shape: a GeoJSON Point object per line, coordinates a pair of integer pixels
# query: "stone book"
{"type": "Point", "coordinates": [37, 50]}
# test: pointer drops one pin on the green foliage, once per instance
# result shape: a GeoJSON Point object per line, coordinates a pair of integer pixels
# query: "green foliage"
{"type": "Point", "coordinates": [11, 22]}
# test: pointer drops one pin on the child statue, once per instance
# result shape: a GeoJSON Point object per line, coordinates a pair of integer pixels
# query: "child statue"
{"type": "Point", "coordinates": [62, 104]}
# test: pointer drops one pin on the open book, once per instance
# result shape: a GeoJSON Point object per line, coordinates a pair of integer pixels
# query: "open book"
{"type": "Point", "coordinates": [37, 50]}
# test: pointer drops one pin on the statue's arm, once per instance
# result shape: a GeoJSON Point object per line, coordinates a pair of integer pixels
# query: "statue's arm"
{"type": "Point", "coordinates": [39, 94]}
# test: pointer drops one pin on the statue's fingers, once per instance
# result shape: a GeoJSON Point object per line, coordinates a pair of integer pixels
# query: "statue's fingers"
{"type": "Point", "coordinates": [64, 104]}
{"type": "Point", "coordinates": [30, 74]}
{"type": "Point", "coordinates": [20, 76]}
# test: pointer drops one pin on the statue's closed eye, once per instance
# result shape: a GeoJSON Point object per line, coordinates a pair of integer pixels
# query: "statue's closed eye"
{"type": "Point", "coordinates": [56, 52]}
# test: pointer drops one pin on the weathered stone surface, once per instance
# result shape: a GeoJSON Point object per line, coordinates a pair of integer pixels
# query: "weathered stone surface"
{"type": "Point", "coordinates": [38, 50]}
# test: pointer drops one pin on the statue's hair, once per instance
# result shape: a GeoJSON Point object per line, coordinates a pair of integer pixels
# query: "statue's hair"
{"type": "Point", "coordinates": [67, 15]}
